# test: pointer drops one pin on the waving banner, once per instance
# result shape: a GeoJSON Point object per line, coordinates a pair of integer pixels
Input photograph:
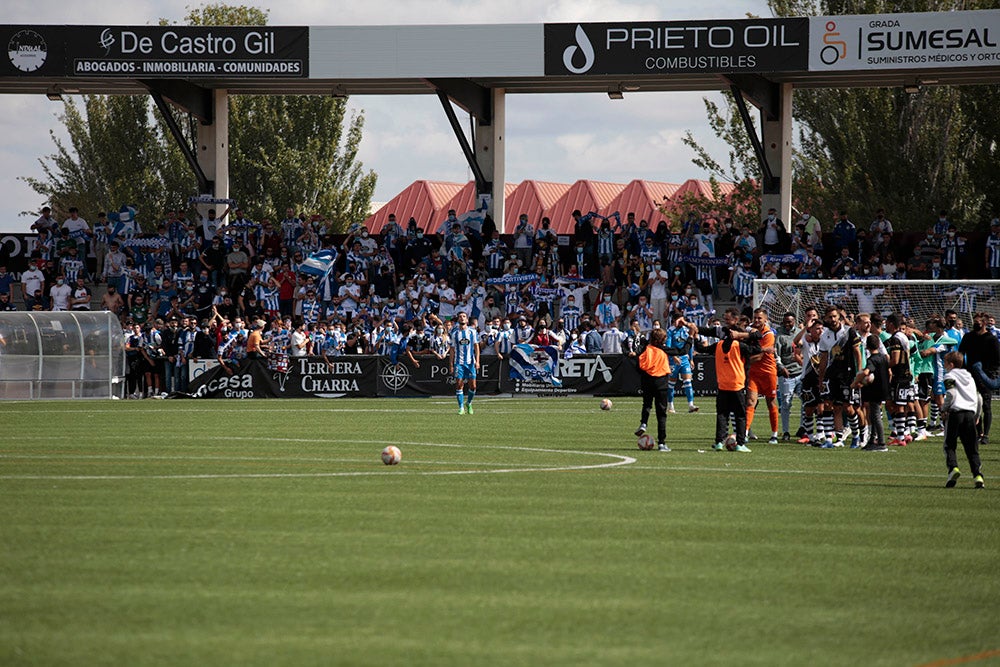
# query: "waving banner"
{"type": "Point", "coordinates": [530, 362]}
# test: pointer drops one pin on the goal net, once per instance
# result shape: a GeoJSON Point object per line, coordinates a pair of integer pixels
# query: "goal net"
{"type": "Point", "coordinates": [919, 299]}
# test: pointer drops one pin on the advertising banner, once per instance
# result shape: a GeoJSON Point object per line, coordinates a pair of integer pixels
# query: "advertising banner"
{"type": "Point", "coordinates": [306, 377]}
{"type": "Point", "coordinates": [676, 47]}
{"type": "Point", "coordinates": [144, 52]}
{"type": "Point", "coordinates": [432, 377]}
{"type": "Point", "coordinates": [904, 41]}
{"type": "Point", "coordinates": [597, 374]}
{"type": "Point", "coordinates": [370, 376]}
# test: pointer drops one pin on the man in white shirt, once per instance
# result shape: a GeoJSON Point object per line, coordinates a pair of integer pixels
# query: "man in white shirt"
{"type": "Point", "coordinates": [299, 341]}
{"type": "Point", "coordinates": [657, 283]}
{"type": "Point", "coordinates": [447, 300]}
{"type": "Point", "coordinates": [60, 294]}
{"type": "Point", "coordinates": [78, 228]}
{"type": "Point", "coordinates": [611, 340]}
{"type": "Point", "coordinates": [32, 280]}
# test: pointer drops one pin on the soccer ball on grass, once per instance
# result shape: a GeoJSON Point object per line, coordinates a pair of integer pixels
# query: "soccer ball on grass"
{"type": "Point", "coordinates": [391, 455]}
{"type": "Point", "coordinates": [730, 442]}
{"type": "Point", "coordinates": [646, 442]}
{"type": "Point", "coordinates": [606, 404]}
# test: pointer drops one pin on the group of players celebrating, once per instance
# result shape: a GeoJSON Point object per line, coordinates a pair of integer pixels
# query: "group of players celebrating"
{"type": "Point", "coordinates": [846, 369]}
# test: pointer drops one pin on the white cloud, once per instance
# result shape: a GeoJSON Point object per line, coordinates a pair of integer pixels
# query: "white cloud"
{"type": "Point", "coordinates": [549, 137]}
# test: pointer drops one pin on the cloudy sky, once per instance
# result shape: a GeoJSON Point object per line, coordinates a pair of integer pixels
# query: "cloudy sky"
{"type": "Point", "coordinates": [549, 137]}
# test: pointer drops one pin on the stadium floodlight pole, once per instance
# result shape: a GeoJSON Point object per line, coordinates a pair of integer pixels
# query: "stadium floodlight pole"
{"type": "Point", "coordinates": [919, 299]}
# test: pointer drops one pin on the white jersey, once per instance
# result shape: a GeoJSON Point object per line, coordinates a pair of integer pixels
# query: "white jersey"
{"type": "Point", "coordinates": [810, 357]}
{"type": "Point", "coordinates": [464, 342]}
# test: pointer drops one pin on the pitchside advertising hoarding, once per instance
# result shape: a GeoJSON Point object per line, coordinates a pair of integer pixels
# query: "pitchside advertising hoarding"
{"type": "Point", "coordinates": [370, 376]}
{"type": "Point", "coordinates": [753, 45]}
{"type": "Point", "coordinates": [141, 52]}
{"type": "Point", "coordinates": [905, 41]}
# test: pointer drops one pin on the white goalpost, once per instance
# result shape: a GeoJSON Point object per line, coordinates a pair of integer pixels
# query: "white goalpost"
{"type": "Point", "coordinates": [919, 299]}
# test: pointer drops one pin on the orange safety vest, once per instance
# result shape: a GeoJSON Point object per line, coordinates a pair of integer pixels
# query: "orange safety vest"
{"type": "Point", "coordinates": [730, 370]}
{"type": "Point", "coordinates": [653, 361]}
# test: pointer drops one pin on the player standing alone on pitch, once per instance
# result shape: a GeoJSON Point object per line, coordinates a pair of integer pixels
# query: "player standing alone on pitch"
{"type": "Point", "coordinates": [464, 361]}
{"type": "Point", "coordinates": [654, 372]}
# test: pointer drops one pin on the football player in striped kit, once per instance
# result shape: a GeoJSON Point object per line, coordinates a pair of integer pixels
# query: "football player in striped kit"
{"type": "Point", "coordinates": [464, 362]}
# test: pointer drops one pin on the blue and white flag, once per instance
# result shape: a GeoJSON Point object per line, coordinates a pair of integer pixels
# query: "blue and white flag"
{"type": "Point", "coordinates": [473, 220]}
{"type": "Point", "coordinates": [124, 222]}
{"type": "Point", "coordinates": [319, 264]}
{"type": "Point", "coordinates": [530, 362]}
{"type": "Point", "coordinates": [780, 259]}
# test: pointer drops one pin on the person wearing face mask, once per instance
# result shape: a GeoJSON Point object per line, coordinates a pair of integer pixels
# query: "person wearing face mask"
{"type": "Point", "coordinates": [607, 313]}
{"type": "Point", "coordinates": [656, 285]}
{"type": "Point", "coordinates": [60, 294]}
{"type": "Point", "coordinates": [844, 234]}
{"type": "Point", "coordinates": [505, 339]}
{"type": "Point", "coordinates": [772, 236]}
{"type": "Point", "coordinates": [941, 225]}
{"type": "Point", "coordinates": [952, 251]}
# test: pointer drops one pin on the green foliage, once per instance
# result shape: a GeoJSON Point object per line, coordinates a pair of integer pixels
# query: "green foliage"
{"type": "Point", "coordinates": [285, 151]}
{"type": "Point", "coordinates": [867, 148]}
{"type": "Point", "coordinates": [116, 155]}
{"type": "Point", "coordinates": [294, 151]}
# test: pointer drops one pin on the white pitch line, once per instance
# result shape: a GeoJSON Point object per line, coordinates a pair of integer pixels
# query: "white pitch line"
{"type": "Point", "coordinates": [114, 457]}
{"type": "Point", "coordinates": [619, 461]}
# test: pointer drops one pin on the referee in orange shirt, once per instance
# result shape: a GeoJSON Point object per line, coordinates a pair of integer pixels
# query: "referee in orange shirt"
{"type": "Point", "coordinates": [654, 372]}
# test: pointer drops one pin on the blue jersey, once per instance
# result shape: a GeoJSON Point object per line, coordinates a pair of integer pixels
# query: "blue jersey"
{"type": "Point", "coordinates": [464, 342]}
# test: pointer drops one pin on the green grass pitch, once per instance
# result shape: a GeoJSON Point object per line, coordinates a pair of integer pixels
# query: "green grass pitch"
{"type": "Point", "coordinates": [531, 533]}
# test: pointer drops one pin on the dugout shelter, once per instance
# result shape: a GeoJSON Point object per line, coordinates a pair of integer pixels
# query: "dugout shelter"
{"type": "Point", "coordinates": [68, 354]}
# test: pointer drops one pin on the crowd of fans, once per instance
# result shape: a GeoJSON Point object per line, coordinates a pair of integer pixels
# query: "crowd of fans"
{"type": "Point", "coordinates": [225, 287]}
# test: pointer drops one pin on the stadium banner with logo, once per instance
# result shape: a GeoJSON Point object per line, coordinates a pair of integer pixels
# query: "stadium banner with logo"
{"type": "Point", "coordinates": [145, 52]}
{"type": "Point", "coordinates": [432, 377]}
{"type": "Point", "coordinates": [371, 376]}
{"type": "Point", "coordinates": [305, 377]}
{"type": "Point", "coordinates": [905, 41]}
{"type": "Point", "coordinates": [747, 45]}
{"type": "Point", "coordinates": [596, 374]}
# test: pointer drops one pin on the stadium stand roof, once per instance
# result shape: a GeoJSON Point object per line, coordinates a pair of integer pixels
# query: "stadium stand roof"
{"type": "Point", "coordinates": [429, 201]}
{"type": "Point", "coordinates": [465, 199]}
{"type": "Point", "coordinates": [586, 196]}
{"type": "Point", "coordinates": [644, 199]}
{"type": "Point", "coordinates": [426, 201]}
{"type": "Point", "coordinates": [535, 198]}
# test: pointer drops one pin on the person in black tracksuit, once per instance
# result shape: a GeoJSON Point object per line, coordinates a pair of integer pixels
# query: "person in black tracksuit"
{"type": "Point", "coordinates": [874, 383]}
{"type": "Point", "coordinates": [982, 359]}
{"type": "Point", "coordinates": [654, 373]}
